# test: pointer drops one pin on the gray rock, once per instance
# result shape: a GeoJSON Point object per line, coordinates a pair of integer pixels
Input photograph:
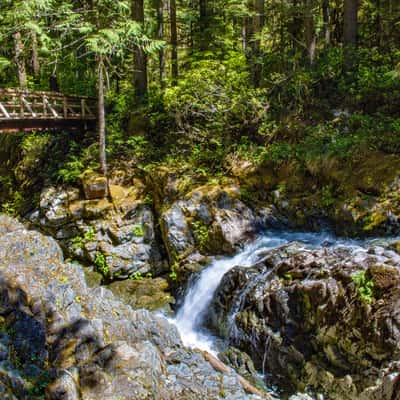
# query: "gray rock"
{"type": "Point", "coordinates": [87, 343]}
{"type": "Point", "coordinates": [210, 219]}
{"type": "Point", "coordinates": [302, 316]}
{"type": "Point", "coordinates": [124, 232]}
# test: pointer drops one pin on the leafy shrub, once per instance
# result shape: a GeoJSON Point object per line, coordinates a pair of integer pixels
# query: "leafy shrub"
{"type": "Point", "coordinates": [79, 159]}
{"type": "Point", "coordinates": [212, 104]}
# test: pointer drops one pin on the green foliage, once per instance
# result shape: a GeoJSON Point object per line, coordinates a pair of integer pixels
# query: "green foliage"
{"type": "Point", "coordinates": [327, 196]}
{"type": "Point", "coordinates": [173, 274]}
{"type": "Point", "coordinates": [212, 95]}
{"type": "Point", "coordinates": [136, 276]}
{"type": "Point", "coordinates": [14, 206]}
{"type": "Point", "coordinates": [247, 195]}
{"type": "Point", "coordinates": [79, 159]}
{"type": "Point", "coordinates": [138, 230]}
{"type": "Point", "coordinates": [72, 170]}
{"type": "Point", "coordinates": [89, 235]}
{"type": "Point", "coordinates": [201, 234]}
{"type": "Point", "coordinates": [365, 287]}
{"type": "Point", "coordinates": [101, 264]}
{"type": "Point", "coordinates": [79, 241]}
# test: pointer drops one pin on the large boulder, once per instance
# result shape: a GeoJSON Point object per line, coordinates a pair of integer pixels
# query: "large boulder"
{"type": "Point", "coordinates": [118, 236]}
{"type": "Point", "coordinates": [211, 220]}
{"type": "Point", "coordinates": [63, 340]}
{"type": "Point", "coordinates": [325, 320]}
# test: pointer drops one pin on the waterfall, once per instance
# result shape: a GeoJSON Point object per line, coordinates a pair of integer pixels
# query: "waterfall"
{"type": "Point", "coordinates": [199, 296]}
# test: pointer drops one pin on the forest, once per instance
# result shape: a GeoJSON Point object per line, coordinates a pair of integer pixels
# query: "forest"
{"type": "Point", "coordinates": [222, 222]}
{"type": "Point", "coordinates": [196, 81]}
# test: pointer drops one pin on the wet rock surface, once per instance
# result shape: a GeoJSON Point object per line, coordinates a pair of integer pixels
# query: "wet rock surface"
{"type": "Point", "coordinates": [64, 340]}
{"type": "Point", "coordinates": [323, 321]}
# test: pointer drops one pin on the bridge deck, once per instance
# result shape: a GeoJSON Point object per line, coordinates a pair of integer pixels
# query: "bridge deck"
{"type": "Point", "coordinates": [22, 110]}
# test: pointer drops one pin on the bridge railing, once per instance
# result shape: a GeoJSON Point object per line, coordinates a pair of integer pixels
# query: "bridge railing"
{"type": "Point", "coordinates": [26, 105]}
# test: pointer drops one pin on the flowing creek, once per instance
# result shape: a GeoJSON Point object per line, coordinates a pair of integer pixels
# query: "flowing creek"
{"type": "Point", "coordinates": [190, 317]}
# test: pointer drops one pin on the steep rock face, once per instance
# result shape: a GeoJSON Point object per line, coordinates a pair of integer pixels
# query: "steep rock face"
{"type": "Point", "coordinates": [61, 338]}
{"type": "Point", "coordinates": [356, 198]}
{"type": "Point", "coordinates": [210, 219]}
{"type": "Point", "coordinates": [118, 236]}
{"type": "Point", "coordinates": [323, 320]}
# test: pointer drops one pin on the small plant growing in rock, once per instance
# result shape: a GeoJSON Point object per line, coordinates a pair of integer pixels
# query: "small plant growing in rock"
{"type": "Point", "coordinates": [101, 264]}
{"type": "Point", "coordinates": [136, 276]}
{"type": "Point", "coordinates": [89, 235]}
{"type": "Point", "coordinates": [138, 230]}
{"type": "Point", "coordinates": [200, 231]}
{"type": "Point", "coordinates": [172, 273]}
{"type": "Point", "coordinates": [365, 287]}
{"type": "Point", "coordinates": [77, 242]}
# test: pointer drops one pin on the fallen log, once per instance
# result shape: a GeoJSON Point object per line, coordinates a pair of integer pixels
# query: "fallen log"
{"type": "Point", "coordinates": [247, 386]}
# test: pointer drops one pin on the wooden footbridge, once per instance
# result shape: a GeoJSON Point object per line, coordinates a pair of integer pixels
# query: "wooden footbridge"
{"type": "Point", "coordinates": [22, 110]}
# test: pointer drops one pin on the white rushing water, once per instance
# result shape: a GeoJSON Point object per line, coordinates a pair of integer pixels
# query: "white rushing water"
{"type": "Point", "coordinates": [198, 298]}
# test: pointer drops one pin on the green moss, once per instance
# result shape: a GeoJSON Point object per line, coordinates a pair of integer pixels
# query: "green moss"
{"type": "Point", "coordinates": [374, 221]}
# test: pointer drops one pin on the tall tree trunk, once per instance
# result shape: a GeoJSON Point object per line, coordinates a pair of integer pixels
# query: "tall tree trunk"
{"type": "Point", "coordinates": [160, 36]}
{"type": "Point", "coordinates": [248, 28]}
{"type": "Point", "coordinates": [295, 25]}
{"type": "Point", "coordinates": [350, 29]}
{"type": "Point", "coordinates": [19, 60]}
{"type": "Point", "coordinates": [35, 55]}
{"type": "Point", "coordinates": [174, 42]}
{"type": "Point", "coordinates": [258, 25]}
{"type": "Point", "coordinates": [253, 25]}
{"type": "Point", "coordinates": [101, 115]}
{"type": "Point", "coordinates": [326, 20]}
{"type": "Point", "coordinates": [378, 23]}
{"type": "Point", "coordinates": [140, 58]}
{"type": "Point", "coordinates": [310, 31]}
{"type": "Point", "coordinates": [203, 25]}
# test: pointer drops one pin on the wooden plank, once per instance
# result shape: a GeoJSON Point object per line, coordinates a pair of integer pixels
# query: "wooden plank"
{"type": "Point", "coordinates": [65, 108]}
{"type": "Point", "coordinates": [4, 111]}
{"type": "Point", "coordinates": [28, 106]}
{"type": "Point", "coordinates": [43, 97]}
{"type": "Point", "coordinates": [83, 108]}
{"type": "Point", "coordinates": [48, 105]}
{"type": "Point", "coordinates": [21, 105]}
